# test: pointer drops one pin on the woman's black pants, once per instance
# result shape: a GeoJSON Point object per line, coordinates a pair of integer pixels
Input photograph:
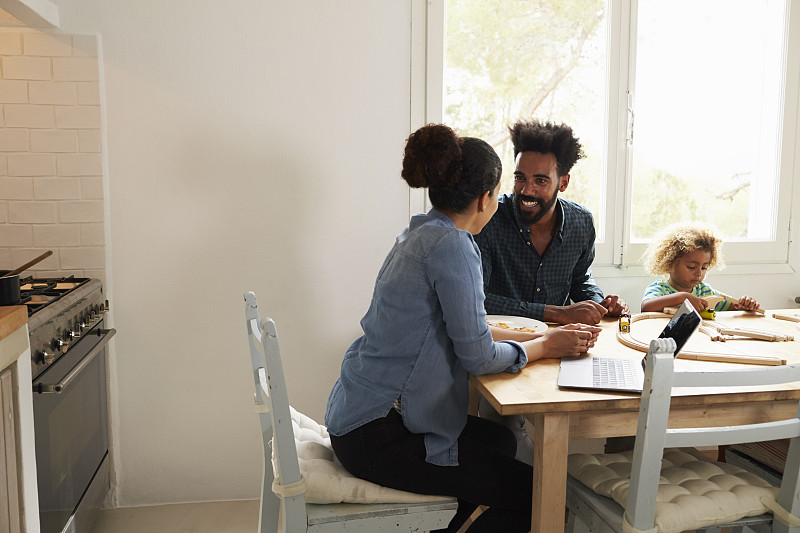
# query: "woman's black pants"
{"type": "Point", "coordinates": [385, 452]}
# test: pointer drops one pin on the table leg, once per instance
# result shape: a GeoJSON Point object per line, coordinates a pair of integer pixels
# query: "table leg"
{"type": "Point", "coordinates": [550, 441]}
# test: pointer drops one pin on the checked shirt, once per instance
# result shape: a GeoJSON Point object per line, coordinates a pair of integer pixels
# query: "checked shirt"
{"type": "Point", "coordinates": [518, 281]}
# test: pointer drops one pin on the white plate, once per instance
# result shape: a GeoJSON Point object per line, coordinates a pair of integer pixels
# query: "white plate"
{"type": "Point", "coordinates": [516, 322]}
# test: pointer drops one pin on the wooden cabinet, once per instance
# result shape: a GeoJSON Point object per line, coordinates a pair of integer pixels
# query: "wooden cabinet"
{"type": "Point", "coordinates": [11, 515]}
{"type": "Point", "coordinates": [19, 506]}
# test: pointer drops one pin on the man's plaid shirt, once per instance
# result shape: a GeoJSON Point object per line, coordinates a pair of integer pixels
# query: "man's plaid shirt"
{"type": "Point", "coordinates": [518, 281]}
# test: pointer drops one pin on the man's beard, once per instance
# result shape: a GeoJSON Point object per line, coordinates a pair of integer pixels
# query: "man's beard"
{"type": "Point", "coordinates": [544, 207]}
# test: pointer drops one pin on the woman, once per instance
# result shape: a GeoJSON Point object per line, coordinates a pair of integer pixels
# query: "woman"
{"type": "Point", "coordinates": [398, 413]}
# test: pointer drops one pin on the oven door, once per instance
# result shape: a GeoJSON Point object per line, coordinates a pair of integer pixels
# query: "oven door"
{"type": "Point", "coordinates": [71, 427]}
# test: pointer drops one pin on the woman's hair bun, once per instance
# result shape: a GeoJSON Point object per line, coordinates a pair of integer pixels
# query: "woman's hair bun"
{"type": "Point", "coordinates": [432, 157]}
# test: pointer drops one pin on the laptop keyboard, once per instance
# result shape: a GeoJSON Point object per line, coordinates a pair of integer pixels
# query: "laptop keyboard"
{"type": "Point", "coordinates": [615, 373]}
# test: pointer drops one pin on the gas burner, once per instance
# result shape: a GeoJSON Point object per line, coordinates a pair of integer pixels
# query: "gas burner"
{"type": "Point", "coordinates": [38, 293]}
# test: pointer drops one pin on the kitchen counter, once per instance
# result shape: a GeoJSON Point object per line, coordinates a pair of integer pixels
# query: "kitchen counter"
{"type": "Point", "coordinates": [13, 336]}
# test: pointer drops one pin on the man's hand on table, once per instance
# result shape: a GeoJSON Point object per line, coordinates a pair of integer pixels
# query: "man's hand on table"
{"type": "Point", "coordinates": [586, 312]}
{"type": "Point", "coordinates": [614, 305]}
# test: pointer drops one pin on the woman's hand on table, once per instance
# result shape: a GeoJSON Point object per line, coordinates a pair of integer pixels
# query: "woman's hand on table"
{"type": "Point", "coordinates": [565, 341]}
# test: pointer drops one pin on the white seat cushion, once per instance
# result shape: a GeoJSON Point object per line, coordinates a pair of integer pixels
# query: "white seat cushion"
{"type": "Point", "coordinates": [327, 481]}
{"type": "Point", "coordinates": [694, 491]}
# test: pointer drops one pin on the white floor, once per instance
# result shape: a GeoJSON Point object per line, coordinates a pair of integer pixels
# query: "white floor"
{"type": "Point", "coordinates": [211, 517]}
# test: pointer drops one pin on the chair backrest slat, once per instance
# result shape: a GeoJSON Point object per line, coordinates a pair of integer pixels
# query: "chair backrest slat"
{"type": "Point", "coordinates": [283, 438]}
{"type": "Point", "coordinates": [753, 376]}
{"type": "Point", "coordinates": [272, 403]}
{"type": "Point", "coordinates": [713, 436]}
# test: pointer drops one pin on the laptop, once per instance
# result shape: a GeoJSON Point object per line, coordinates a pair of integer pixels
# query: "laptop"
{"type": "Point", "coordinates": [614, 374]}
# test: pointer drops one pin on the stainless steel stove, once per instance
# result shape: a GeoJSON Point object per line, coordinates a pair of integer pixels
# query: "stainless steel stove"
{"type": "Point", "coordinates": [68, 340]}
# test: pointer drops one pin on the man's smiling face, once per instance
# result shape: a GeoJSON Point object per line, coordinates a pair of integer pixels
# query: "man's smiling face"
{"type": "Point", "coordinates": [536, 185]}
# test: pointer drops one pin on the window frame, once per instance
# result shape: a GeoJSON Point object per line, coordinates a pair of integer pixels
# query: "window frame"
{"type": "Point", "coordinates": [616, 255]}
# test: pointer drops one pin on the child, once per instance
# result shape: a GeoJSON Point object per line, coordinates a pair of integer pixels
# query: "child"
{"type": "Point", "coordinates": [685, 252]}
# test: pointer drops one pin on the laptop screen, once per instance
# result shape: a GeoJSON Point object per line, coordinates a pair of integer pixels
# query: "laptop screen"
{"type": "Point", "coordinates": [682, 325]}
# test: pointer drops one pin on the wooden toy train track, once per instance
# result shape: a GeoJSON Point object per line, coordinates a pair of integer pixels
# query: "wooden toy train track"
{"type": "Point", "coordinates": [628, 340]}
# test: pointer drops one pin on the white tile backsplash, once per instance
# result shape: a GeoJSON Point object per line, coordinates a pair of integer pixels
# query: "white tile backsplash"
{"type": "Point", "coordinates": [89, 141]}
{"type": "Point", "coordinates": [16, 189]}
{"type": "Point", "coordinates": [20, 256]}
{"type": "Point", "coordinates": [80, 165]}
{"type": "Point", "coordinates": [85, 257]}
{"type": "Point", "coordinates": [92, 234]}
{"type": "Point", "coordinates": [43, 44]}
{"type": "Point", "coordinates": [28, 164]}
{"type": "Point", "coordinates": [75, 69]}
{"type": "Point", "coordinates": [32, 212]}
{"type": "Point", "coordinates": [78, 117]}
{"type": "Point", "coordinates": [82, 211]}
{"type": "Point", "coordinates": [57, 188]}
{"type": "Point", "coordinates": [88, 92]}
{"type": "Point", "coordinates": [51, 161]}
{"type": "Point", "coordinates": [55, 235]}
{"type": "Point", "coordinates": [53, 92]}
{"type": "Point", "coordinates": [13, 140]}
{"type": "Point", "coordinates": [29, 116]}
{"type": "Point", "coordinates": [84, 46]}
{"type": "Point", "coordinates": [13, 91]}
{"type": "Point", "coordinates": [27, 68]}
{"type": "Point", "coordinates": [16, 235]}
{"type": "Point", "coordinates": [10, 44]}
{"type": "Point", "coordinates": [92, 188]}
{"type": "Point", "coordinates": [54, 141]}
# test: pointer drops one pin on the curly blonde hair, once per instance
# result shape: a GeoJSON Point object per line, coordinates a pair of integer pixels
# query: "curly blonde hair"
{"type": "Point", "coordinates": [678, 240]}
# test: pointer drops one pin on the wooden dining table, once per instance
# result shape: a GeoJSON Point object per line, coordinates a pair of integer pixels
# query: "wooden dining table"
{"type": "Point", "coordinates": [559, 415]}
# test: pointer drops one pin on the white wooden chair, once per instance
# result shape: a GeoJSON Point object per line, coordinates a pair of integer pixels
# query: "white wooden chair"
{"type": "Point", "coordinates": [599, 514]}
{"type": "Point", "coordinates": [289, 513]}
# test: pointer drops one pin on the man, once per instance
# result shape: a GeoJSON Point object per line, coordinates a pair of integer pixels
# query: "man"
{"type": "Point", "coordinates": [537, 250]}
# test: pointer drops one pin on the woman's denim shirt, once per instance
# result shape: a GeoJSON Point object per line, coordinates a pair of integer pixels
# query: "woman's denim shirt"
{"type": "Point", "coordinates": [425, 330]}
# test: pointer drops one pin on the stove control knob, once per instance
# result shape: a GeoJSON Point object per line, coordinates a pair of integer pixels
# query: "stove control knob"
{"type": "Point", "coordinates": [75, 333]}
{"type": "Point", "coordinates": [61, 344]}
{"type": "Point", "coordinates": [47, 356]}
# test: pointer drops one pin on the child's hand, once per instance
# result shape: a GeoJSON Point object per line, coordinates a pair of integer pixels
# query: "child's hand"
{"type": "Point", "coordinates": [697, 302]}
{"type": "Point", "coordinates": [746, 303]}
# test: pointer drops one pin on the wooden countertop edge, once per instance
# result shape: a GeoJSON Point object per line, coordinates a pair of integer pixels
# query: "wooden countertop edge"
{"type": "Point", "coordinates": [12, 317]}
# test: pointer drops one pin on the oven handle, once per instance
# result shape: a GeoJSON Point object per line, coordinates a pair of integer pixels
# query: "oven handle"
{"type": "Point", "coordinates": [57, 388]}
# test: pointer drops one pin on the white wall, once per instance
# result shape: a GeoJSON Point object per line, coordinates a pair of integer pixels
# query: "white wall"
{"type": "Point", "coordinates": [251, 146]}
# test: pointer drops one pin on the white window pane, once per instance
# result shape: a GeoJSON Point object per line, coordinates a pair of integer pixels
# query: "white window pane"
{"type": "Point", "coordinates": [507, 60]}
{"type": "Point", "coordinates": [707, 116]}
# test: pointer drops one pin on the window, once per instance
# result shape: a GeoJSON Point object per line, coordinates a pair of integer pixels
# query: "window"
{"type": "Point", "coordinates": [686, 110]}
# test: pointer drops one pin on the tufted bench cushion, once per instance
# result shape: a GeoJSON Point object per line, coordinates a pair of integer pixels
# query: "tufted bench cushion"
{"type": "Point", "coordinates": [326, 480]}
{"type": "Point", "coordinates": [694, 490]}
